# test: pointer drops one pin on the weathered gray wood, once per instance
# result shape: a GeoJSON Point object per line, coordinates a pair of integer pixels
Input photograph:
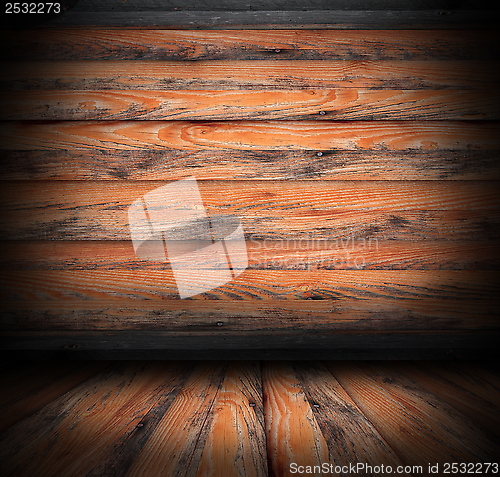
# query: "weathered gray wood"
{"type": "Point", "coordinates": [197, 341]}
{"type": "Point", "coordinates": [175, 164]}
{"type": "Point", "coordinates": [371, 19]}
{"type": "Point", "coordinates": [268, 354]}
{"type": "Point", "coordinates": [244, 5]}
{"type": "Point", "coordinates": [336, 346]}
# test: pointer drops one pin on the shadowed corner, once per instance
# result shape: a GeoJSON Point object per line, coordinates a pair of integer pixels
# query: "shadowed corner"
{"type": "Point", "coordinates": [34, 18]}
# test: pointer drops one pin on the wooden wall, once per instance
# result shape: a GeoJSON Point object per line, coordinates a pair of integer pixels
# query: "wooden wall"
{"type": "Point", "coordinates": [361, 158]}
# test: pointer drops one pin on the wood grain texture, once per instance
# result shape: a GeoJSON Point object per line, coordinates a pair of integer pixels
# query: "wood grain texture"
{"type": "Point", "coordinates": [172, 45]}
{"type": "Point", "coordinates": [377, 287]}
{"type": "Point", "coordinates": [249, 74]}
{"type": "Point", "coordinates": [85, 430]}
{"type": "Point", "coordinates": [348, 210]}
{"type": "Point", "coordinates": [176, 444]}
{"type": "Point", "coordinates": [35, 385]}
{"type": "Point", "coordinates": [400, 409]}
{"type": "Point", "coordinates": [322, 139]}
{"type": "Point", "coordinates": [251, 135]}
{"type": "Point", "coordinates": [236, 441]}
{"type": "Point", "coordinates": [480, 411]}
{"type": "Point", "coordinates": [263, 5]}
{"type": "Point", "coordinates": [293, 434]}
{"type": "Point", "coordinates": [264, 255]}
{"type": "Point", "coordinates": [309, 313]}
{"type": "Point", "coordinates": [281, 19]}
{"type": "Point", "coordinates": [469, 376]}
{"type": "Point", "coordinates": [339, 104]}
{"type": "Point", "coordinates": [105, 424]}
{"type": "Point", "coordinates": [280, 164]}
{"type": "Point", "coordinates": [350, 436]}
{"type": "Point", "coordinates": [443, 314]}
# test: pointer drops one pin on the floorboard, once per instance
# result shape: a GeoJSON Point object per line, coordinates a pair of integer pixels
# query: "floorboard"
{"type": "Point", "coordinates": [247, 418]}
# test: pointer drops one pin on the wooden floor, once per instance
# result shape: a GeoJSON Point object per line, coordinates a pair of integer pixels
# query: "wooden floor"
{"type": "Point", "coordinates": [246, 418]}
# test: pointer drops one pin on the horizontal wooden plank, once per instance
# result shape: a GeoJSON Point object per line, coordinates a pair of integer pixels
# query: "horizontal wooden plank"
{"type": "Point", "coordinates": [417, 210]}
{"type": "Point", "coordinates": [251, 135]}
{"type": "Point", "coordinates": [251, 285]}
{"type": "Point", "coordinates": [172, 45]}
{"type": "Point", "coordinates": [242, 5]}
{"type": "Point", "coordinates": [295, 317]}
{"type": "Point", "coordinates": [405, 353]}
{"type": "Point", "coordinates": [282, 19]}
{"type": "Point", "coordinates": [219, 164]}
{"type": "Point", "coordinates": [336, 225]}
{"type": "Point", "coordinates": [264, 254]}
{"type": "Point", "coordinates": [248, 74]}
{"type": "Point", "coordinates": [472, 345]}
{"type": "Point", "coordinates": [339, 104]}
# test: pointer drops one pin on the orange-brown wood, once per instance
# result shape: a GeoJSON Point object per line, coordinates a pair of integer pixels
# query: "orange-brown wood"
{"type": "Point", "coordinates": [95, 44]}
{"type": "Point", "coordinates": [250, 135]}
{"type": "Point", "coordinates": [402, 163]}
{"type": "Point", "coordinates": [91, 429]}
{"type": "Point", "coordinates": [236, 440]}
{"type": "Point", "coordinates": [243, 74]}
{"type": "Point", "coordinates": [400, 410]}
{"type": "Point", "coordinates": [468, 376]}
{"type": "Point", "coordinates": [251, 285]}
{"type": "Point", "coordinates": [310, 312]}
{"type": "Point", "coordinates": [482, 412]}
{"type": "Point", "coordinates": [34, 385]}
{"type": "Point", "coordinates": [351, 438]}
{"type": "Point", "coordinates": [347, 210]}
{"type": "Point", "coordinates": [338, 104]}
{"type": "Point", "coordinates": [219, 164]}
{"type": "Point", "coordinates": [264, 254]}
{"type": "Point", "coordinates": [176, 444]}
{"type": "Point", "coordinates": [293, 434]}
{"type": "Point", "coordinates": [118, 422]}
